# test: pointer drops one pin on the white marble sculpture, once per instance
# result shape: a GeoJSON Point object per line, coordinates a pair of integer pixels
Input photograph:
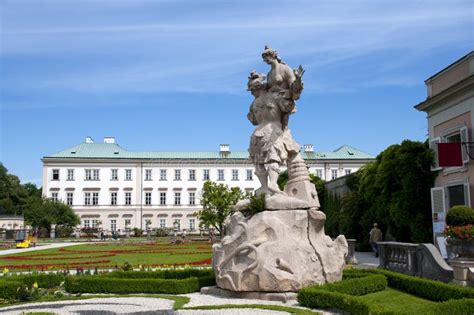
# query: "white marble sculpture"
{"type": "Point", "coordinates": [285, 248]}
{"type": "Point", "coordinates": [271, 145]}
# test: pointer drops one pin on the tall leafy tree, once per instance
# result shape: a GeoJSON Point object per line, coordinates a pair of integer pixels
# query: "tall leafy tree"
{"type": "Point", "coordinates": [13, 195]}
{"type": "Point", "coordinates": [42, 212]}
{"type": "Point", "coordinates": [217, 201]}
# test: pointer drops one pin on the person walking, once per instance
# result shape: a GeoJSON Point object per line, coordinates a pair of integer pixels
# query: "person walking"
{"type": "Point", "coordinates": [375, 236]}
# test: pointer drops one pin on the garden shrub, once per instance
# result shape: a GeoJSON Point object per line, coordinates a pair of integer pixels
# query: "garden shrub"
{"type": "Point", "coordinates": [9, 289]}
{"type": "Point", "coordinates": [425, 288]}
{"type": "Point", "coordinates": [314, 297]}
{"type": "Point", "coordinates": [92, 284]}
{"type": "Point", "coordinates": [162, 274]}
{"type": "Point", "coordinates": [45, 280]}
{"type": "Point", "coordinates": [459, 216]}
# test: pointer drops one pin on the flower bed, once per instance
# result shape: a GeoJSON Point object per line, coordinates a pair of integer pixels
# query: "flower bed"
{"type": "Point", "coordinates": [111, 255]}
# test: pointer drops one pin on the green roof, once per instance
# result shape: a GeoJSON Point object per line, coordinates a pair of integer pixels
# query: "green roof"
{"type": "Point", "coordinates": [114, 151]}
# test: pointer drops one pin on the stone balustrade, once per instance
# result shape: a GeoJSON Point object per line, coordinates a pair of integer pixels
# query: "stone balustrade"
{"type": "Point", "coordinates": [422, 260]}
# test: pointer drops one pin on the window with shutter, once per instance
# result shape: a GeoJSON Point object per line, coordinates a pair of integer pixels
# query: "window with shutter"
{"type": "Point", "coordinates": [434, 146]}
{"type": "Point", "coordinates": [464, 148]}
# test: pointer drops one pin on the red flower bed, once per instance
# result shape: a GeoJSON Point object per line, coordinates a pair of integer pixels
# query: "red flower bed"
{"type": "Point", "coordinates": [54, 258]}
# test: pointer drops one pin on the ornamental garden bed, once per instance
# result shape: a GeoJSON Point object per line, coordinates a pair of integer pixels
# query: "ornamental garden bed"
{"type": "Point", "coordinates": [385, 292]}
{"type": "Point", "coordinates": [110, 255]}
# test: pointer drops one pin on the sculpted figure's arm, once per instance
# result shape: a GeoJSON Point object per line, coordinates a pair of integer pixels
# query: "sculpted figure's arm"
{"type": "Point", "coordinates": [251, 116]}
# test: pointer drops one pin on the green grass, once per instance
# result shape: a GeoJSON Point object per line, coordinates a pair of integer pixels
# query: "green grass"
{"type": "Point", "coordinates": [291, 310]}
{"type": "Point", "coordinates": [392, 300]}
{"type": "Point", "coordinates": [107, 255]}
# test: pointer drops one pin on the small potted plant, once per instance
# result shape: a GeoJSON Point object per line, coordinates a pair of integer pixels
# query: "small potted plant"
{"type": "Point", "coordinates": [459, 231]}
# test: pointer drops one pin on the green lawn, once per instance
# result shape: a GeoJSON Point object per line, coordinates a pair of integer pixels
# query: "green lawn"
{"type": "Point", "coordinates": [392, 300]}
{"type": "Point", "coordinates": [108, 255]}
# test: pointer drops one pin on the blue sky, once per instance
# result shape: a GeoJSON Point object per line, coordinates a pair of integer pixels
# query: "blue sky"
{"type": "Point", "coordinates": [171, 75]}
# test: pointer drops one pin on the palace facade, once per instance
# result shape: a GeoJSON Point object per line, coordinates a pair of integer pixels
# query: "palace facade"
{"type": "Point", "coordinates": [112, 188]}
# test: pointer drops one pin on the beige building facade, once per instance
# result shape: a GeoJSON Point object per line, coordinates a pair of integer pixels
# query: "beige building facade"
{"type": "Point", "coordinates": [450, 113]}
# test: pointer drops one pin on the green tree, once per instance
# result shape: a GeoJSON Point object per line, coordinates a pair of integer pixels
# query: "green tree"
{"type": "Point", "coordinates": [13, 195]}
{"type": "Point", "coordinates": [393, 191]}
{"type": "Point", "coordinates": [42, 212]}
{"type": "Point", "coordinates": [217, 202]}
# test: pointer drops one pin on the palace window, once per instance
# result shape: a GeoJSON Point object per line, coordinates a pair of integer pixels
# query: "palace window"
{"type": "Point", "coordinates": [347, 171]}
{"type": "Point", "coordinates": [113, 198]}
{"type": "Point", "coordinates": [128, 174]}
{"type": "Point", "coordinates": [95, 223]}
{"type": "Point", "coordinates": [148, 174]}
{"type": "Point", "coordinates": [205, 174]}
{"type": "Point", "coordinates": [127, 222]}
{"type": "Point", "coordinates": [113, 225]}
{"type": "Point", "coordinates": [128, 198]}
{"type": "Point", "coordinates": [249, 174]}
{"type": "Point", "coordinates": [70, 174]}
{"type": "Point", "coordinates": [87, 223]}
{"type": "Point", "coordinates": [192, 198]}
{"type": "Point", "coordinates": [162, 223]}
{"type": "Point", "coordinates": [163, 198]}
{"type": "Point", "coordinates": [192, 224]}
{"type": "Point", "coordinates": [333, 174]}
{"type": "Point", "coordinates": [148, 198]}
{"type": "Point", "coordinates": [95, 198]}
{"type": "Point", "coordinates": [220, 174]}
{"type": "Point", "coordinates": [54, 196]}
{"type": "Point", "coordinates": [177, 224]}
{"type": "Point", "coordinates": [177, 198]}
{"type": "Point", "coordinates": [192, 174]}
{"type": "Point", "coordinates": [55, 174]}
{"type": "Point", "coordinates": [87, 198]}
{"type": "Point", "coordinates": [177, 174]}
{"type": "Point", "coordinates": [235, 174]}
{"type": "Point", "coordinates": [114, 174]}
{"type": "Point", "coordinates": [162, 174]}
{"type": "Point", "coordinates": [92, 174]}
{"type": "Point", "coordinates": [69, 198]}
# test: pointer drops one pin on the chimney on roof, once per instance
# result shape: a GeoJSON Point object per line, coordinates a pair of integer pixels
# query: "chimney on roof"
{"type": "Point", "coordinates": [109, 139]}
{"type": "Point", "coordinates": [308, 148]}
{"type": "Point", "coordinates": [224, 150]}
{"type": "Point", "coordinates": [89, 140]}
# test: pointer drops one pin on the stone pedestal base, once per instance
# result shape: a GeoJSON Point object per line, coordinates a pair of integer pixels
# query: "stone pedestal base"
{"type": "Point", "coordinates": [284, 297]}
{"type": "Point", "coordinates": [463, 270]}
{"type": "Point", "coordinates": [277, 251]}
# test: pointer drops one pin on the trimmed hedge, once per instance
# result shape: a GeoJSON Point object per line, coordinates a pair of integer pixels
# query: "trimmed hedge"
{"type": "Point", "coordinates": [9, 289]}
{"type": "Point", "coordinates": [358, 286]}
{"type": "Point", "coordinates": [314, 297]}
{"type": "Point", "coordinates": [433, 290]}
{"type": "Point", "coordinates": [161, 274]}
{"type": "Point", "coordinates": [460, 215]}
{"type": "Point", "coordinates": [93, 284]}
{"type": "Point", "coordinates": [47, 281]}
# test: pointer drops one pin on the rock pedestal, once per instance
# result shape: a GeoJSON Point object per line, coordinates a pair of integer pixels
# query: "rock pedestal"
{"type": "Point", "coordinates": [277, 251]}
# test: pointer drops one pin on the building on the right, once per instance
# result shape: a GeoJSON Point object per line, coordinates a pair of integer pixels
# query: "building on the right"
{"type": "Point", "coordinates": [450, 112]}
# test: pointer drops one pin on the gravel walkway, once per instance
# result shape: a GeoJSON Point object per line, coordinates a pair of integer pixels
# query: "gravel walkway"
{"type": "Point", "coordinates": [38, 247]}
{"type": "Point", "coordinates": [144, 306]}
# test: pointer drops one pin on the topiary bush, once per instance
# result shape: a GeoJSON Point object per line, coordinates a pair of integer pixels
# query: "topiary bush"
{"type": "Point", "coordinates": [93, 284]}
{"type": "Point", "coordinates": [459, 216]}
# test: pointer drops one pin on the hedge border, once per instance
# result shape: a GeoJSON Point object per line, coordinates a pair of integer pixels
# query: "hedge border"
{"type": "Point", "coordinates": [457, 300]}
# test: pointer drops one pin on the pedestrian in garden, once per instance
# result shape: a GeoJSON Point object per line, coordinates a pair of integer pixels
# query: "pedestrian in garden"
{"type": "Point", "coordinates": [375, 236]}
{"type": "Point", "coordinates": [184, 235]}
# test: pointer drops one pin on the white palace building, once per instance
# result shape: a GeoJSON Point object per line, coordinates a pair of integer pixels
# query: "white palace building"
{"type": "Point", "coordinates": [112, 188]}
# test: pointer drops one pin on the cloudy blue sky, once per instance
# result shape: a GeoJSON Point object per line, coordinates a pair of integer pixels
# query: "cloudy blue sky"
{"type": "Point", "coordinates": [171, 75]}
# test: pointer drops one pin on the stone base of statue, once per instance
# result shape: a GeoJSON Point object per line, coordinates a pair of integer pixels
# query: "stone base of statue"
{"type": "Point", "coordinates": [285, 297]}
{"type": "Point", "coordinates": [277, 251]}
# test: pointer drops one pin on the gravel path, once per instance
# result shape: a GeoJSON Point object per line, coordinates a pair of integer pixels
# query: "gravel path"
{"type": "Point", "coordinates": [144, 306]}
{"type": "Point", "coordinates": [38, 247]}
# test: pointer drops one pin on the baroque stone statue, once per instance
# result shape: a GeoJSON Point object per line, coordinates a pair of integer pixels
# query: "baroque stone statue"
{"type": "Point", "coordinates": [285, 249]}
{"type": "Point", "coordinates": [271, 145]}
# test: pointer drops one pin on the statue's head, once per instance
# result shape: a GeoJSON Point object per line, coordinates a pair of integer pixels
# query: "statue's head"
{"type": "Point", "coordinates": [269, 54]}
{"type": "Point", "coordinates": [256, 81]}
